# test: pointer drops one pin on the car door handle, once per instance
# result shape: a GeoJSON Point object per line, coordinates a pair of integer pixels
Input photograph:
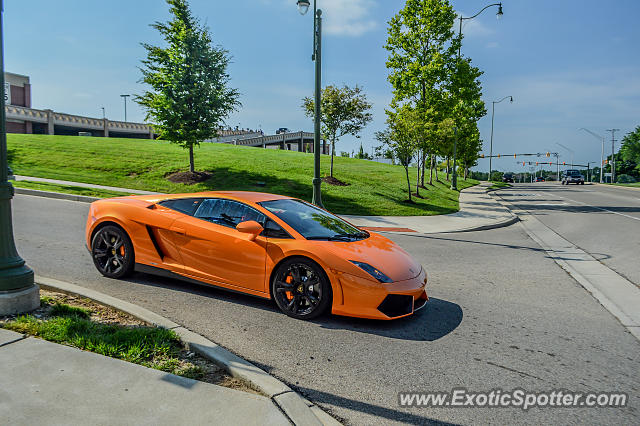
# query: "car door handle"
{"type": "Point", "coordinates": [178, 231]}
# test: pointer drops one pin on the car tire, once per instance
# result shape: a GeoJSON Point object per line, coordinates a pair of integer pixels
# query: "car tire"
{"type": "Point", "coordinates": [112, 252]}
{"type": "Point", "coordinates": [301, 288]}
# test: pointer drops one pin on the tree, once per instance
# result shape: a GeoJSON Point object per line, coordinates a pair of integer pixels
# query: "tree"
{"type": "Point", "coordinates": [344, 111]}
{"type": "Point", "coordinates": [399, 138]}
{"type": "Point", "coordinates": [630, 150]}
{"type": "Point", "coordinates": [189, 96]}
{"type": "Point", "coordinates": [422, 47]}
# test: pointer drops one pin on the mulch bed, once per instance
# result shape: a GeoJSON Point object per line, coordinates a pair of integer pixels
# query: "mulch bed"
{"type": "Point", "coordinates": [188, 178]}
{"type": "Point", "coordinates": [333, 181]}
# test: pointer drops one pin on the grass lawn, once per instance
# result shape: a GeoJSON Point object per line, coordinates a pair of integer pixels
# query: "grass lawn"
{"type": "Point", "coordinates": [637, 184]}
{"type": "Point", "coordinates": [374, 188]}
{"type": "Point", "coordinates": [68, 189]}
{"type": "Point", "coordinates": [152, 347]}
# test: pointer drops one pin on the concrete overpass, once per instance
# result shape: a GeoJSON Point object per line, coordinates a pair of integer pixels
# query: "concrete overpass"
{"type": "Point", "coordinates": [295, 141]}
{"type": "Point", "coordinates": [48, 122]}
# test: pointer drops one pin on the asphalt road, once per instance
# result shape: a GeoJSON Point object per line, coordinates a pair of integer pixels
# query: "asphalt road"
{"type": "Point", "coordinates": [600, 219]}
{"type": "Point", "coordinates": [502, 315]}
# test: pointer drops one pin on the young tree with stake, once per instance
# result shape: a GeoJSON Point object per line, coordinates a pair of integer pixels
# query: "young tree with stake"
{"type": "Point", "coordinates": [189, 95]}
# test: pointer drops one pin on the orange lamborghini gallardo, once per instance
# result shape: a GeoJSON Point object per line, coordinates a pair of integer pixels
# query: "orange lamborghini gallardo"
{"type": "Point", "coordinates": [306, 259]}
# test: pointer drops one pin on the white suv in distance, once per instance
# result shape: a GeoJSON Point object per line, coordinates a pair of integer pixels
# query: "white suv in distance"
{"type": "Point", "coordinates": [572, 176]}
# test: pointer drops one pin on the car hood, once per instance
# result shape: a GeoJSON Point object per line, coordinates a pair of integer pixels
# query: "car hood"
{"type": "Point", "coordinates": [379, 252]}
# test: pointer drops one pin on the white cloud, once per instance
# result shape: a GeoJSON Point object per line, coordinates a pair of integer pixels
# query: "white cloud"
{"type": "Point", "coordinates": [347, 17]}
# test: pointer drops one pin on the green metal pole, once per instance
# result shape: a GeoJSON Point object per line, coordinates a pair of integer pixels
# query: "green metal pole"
{"type": "Point", "coordinates": [317, 55]}
{"type": "Point", "coordinates": [14, 274]}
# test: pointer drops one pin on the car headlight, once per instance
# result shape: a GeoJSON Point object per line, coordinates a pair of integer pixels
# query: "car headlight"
{"type": "Point", "coordinates": [372, 271]}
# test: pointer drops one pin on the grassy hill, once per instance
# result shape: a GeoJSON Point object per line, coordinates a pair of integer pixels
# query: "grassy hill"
{"type": "Point", "coordinates": [374, 188]}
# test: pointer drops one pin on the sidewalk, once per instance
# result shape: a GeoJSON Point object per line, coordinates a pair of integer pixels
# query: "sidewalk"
{"type": "Point", "coordinates": [46, 383]}
{"type": "Point", "coordinates": [83, 185]}
{"type": "Point", "coordinates": [478, 211]}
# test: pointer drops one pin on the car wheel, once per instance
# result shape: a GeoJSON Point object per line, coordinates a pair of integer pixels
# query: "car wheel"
{"type": "Point", "coordinates": [112, 252]}
{"type": "Point", "coordinates": [301, 289]}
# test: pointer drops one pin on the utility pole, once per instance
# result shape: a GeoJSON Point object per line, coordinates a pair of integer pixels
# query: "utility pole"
{"type": "Point", "coordinates": [125, 106]}
{"type": "Point", "coordinates": [613, 154]}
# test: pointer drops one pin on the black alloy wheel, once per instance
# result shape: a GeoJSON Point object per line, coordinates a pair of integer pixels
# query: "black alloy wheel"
{"type": "Point", "coordinates": [301, 289]}
{"type": "Point", "coordinates": [112, 252]}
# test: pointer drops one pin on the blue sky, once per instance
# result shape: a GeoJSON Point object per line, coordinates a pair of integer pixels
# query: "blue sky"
{"type": "Point", "coordinates": [568, 64]}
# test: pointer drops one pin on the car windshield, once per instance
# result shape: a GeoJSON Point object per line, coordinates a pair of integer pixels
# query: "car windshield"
{"type": "Point", "coordinates": [573, 173]}
{"type": "Point", "coordinates": [312, 222]}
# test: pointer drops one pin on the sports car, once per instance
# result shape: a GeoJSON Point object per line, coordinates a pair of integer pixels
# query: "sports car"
{"type": "Point", "coordinates": [306, 259]}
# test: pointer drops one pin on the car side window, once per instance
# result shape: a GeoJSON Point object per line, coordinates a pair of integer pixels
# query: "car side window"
{"type": "Point", "coordinates": [273, 230]}
{"type": "Point", "coordinates": [228, 212]}
{"type": "Point", "coordinates": [183, 205]}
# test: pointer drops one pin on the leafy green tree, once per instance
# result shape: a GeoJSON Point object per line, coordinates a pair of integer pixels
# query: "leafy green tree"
{"type": "Point", "coordinates": [399, 138]}
{"type": "Point", "coordinates": [189, 95]}
{"type": "Point", "coordinates": [630, 150]}
{"type": "Point", "coordinates": [344, 111]}
{"type": "Point", "coordinates": [422, 48]}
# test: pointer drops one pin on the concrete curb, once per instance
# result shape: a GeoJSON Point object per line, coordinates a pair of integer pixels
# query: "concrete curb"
{"type": "Point", "coordinates": [58, 195]}
{"type": "Point", "coordinates": [299, 410]}
{"type": "Point", "coordinates": [607, 185]}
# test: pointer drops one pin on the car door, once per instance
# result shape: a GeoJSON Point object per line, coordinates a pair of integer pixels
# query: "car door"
{"type": "Point", "coordinates": [159, 227]}
{"type": "Point", "coordinates": [213, 250]}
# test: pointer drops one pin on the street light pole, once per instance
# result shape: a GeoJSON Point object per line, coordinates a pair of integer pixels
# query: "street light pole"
{"type": "Point", "coordinates": [493, 110]}
{"type": "Point", "coordinates": [303, 7]}
{"type": "Point", "coordinates": [125, 106]}
{"type": "Point", "coordinates": [613, 154]}
{"type": "Point", "coordinates": [18, 293]}
{"type": "Point", "coordinates": [454, 177]}
{"type": "Point", "coordinates": [597, 136]}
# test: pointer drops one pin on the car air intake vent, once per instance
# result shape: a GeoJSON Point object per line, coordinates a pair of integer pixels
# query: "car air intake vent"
{"type": "Point", "coordinates": [395, 305]}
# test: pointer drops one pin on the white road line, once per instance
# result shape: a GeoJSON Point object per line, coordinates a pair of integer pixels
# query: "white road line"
{"type": "Point", "coordinates": [600, 208]}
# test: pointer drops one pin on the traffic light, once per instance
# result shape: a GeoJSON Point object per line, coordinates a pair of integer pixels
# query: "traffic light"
{"type": "Point", "coordinates": [606, 162]}
{"type": "Point", "coordinates": [481, 155]}
{"type": "Point", "coordinates": [548, 154]}
{"type": "Point", "coordinates": [515, 155]}
{"type": "Point", "coordinates": [523, 163]}
{"type": "Point", "coordinates": [536, 163]}
{"type": "Point", "coordinates": [564, 164]}
{"type": "Point", "coordinates": [550, 163]}
{"type": "Point", "coordinates": [498, 155]}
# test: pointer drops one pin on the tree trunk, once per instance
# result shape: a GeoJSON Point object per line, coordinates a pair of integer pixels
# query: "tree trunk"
{"type": "Point", "coordinates": [333, 152]}
{"type": "Point", "coordinates": [431, 170]}
{"type": "Point", "coordinates": [406, 169]}
{"type": "Point", "coordinates": [418, 177]}
{"type": "Point", "coordinates": [424, 160]}
{"type": "Point", "coordinates": [192, 167]}
{"type": "Point", "coordinates": [437, 178]}
{"type": "Point", "coordinates": [447, 167]}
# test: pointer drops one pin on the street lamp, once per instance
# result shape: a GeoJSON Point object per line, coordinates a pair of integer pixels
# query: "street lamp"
{"type": "Point", "coordinates": [568, 149]}
{"type": "Point", "coordinates": [454, 178]}
{"type": "Point", "coordinates": [597, 136]}
{"type": "Point", "coordinates": [303, 7]}
{"type": "Point", "coordinates": [125, 106]}
{"type": "Point", "coordinates": [18, 293]}
{"type": "Point", "coordinates": [493, 110]}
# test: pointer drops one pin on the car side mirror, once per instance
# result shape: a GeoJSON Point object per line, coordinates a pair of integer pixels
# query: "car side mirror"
{"type": "Point", "coordinates": [250, 227]}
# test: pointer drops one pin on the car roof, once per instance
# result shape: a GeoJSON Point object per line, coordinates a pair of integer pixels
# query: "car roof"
{"type": "Point", "coordinates": [246, 196]}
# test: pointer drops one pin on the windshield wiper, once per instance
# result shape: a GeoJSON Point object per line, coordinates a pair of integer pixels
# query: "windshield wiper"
{"type": "Point", "coordinates": [331, 238]}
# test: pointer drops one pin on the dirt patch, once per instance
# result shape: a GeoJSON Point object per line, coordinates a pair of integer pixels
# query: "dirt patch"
{"type": "Point", "coordinates": [188, 178]}
{"type": "Point", "coordinates": [333, 181]}
{"type": "Point", "coordinates": [212, 373]}
{"type": "Point", "coordinates": [417, 195]}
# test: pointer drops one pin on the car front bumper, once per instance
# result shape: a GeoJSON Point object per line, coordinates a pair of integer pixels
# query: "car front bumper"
{"type": "Point", "coordinates": [362, 298]}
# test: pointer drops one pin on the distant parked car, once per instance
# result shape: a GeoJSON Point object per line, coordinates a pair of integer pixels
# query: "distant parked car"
{"type": "Point", "coordinates": [507, 177]}
{"type": "Point", "coordinates": [539, 179]}
{"type": "Point", "coordinates": [572, 176]}
{"type": "Point", "coordinates": [282, 130]}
